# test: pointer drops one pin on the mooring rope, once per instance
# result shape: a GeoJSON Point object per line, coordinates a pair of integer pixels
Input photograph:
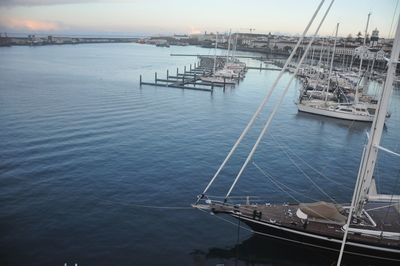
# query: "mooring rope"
{"type": "Point", "coordinates": [149, 206]}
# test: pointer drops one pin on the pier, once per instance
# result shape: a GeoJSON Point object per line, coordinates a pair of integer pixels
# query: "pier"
{"type": "Point", "coordinates": [211, 56]}
{"type": "Point", "coordinates": [200, 76]}
{"type": "Point", "coordinates": [191, 78]}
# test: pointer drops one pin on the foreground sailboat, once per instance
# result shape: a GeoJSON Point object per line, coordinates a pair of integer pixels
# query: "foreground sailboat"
{"type": "Point", "coordinates": [369, 226]}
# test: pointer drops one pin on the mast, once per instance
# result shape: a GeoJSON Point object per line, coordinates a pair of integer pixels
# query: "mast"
{"type": "Point", "coordinates": [312, 56]}
{"type": "Point", "coordinates": [321, 51]}
{"type": "Point", "coordinates": [370, 152]}
{"type": "Point", "coordinates": [361, 58]}
{"type": "Point", "coordinates": [234, 46]}
{"type": "Point", "coordinates": [330, 69]}
{"type": "Point", "coordinates": [215, 52]}
{"type": "Point", "coordinates": [351, 61]}
{"type": "Point", "coordinates": [370, 157]}
{"type": "Point", "coordinates": [229, 45]}
{"type": "Point", "coordinates": [344, 53]}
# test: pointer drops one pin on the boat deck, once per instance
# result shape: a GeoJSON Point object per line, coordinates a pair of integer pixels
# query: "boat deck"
{"type": "Point", "coordinates": [377, 217]}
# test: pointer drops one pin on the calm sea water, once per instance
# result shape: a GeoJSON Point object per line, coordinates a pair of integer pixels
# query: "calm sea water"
{"type": "Point", "coordinates": [82, 145]}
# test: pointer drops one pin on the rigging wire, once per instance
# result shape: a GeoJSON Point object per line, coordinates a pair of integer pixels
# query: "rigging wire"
{"type": "Point", "coordinates": [264, 101]}
{"type": "Point", "coordinates": [304, 173]}
{"type": "Point", "coordinates": [394, 15]}
{"type": "Point", "coordinates": [391, 200]}
{"type": "Point", "coordinates": [277, 104]}
{"type": "Point", "coordinates": [381, 207]}
{"type": "Point", "coordinates": [308, 177]}
{"type": "Point", "coordinates": [148, 206]}
{"type": "Point", "coordinates": [314, 211]}
{"type": "Point", "coordinates": [280, 185]}
{"type": "Point", "coordinates": [309, 165]}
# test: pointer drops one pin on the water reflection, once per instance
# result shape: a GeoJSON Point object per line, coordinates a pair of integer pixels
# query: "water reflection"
{"type": "Point", "coordinates": [260, 250]}
{"type": "Point", "coordinates": [352, 126]}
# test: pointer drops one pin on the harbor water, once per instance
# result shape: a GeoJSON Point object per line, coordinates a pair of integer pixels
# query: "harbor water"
{"type": "Point", "coordinates": [96, 170]}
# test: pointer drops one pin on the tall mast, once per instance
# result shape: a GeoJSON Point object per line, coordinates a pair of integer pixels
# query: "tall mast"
{"type": "Point", "coordinates": [361, 58]}
{"type": "Point", "coordinates": [320, 53]}
{"type": "Point", "coordinates": [312, 56]}
{"type": "Point", "coordinates": [215, 52]}
{"type": "Point", "coordinates": [330, 69]}
{"type": "Point", "coordinates": [229, 46]}
{"type": "Point", "coordinates": [344, 53]}
{"type": "Point", "coordinates": [234, 47]}
{"type": "Point", "coordinates": [371, 152]}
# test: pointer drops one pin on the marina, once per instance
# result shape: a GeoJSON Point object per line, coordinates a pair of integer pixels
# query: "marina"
{"type": "Point", "coordinates": [201, 77]}
{"type": "Point", "coordinates": [108, 128]}
{"type": "Point", "coordinates": [190, 135]}
{"type": "Point", "coordinates": [368, 226]}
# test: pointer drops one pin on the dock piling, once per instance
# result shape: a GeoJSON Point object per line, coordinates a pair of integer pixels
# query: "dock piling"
{"type": "Point", "coordinates": [140, 80]}
{"type": "Point", "coordinates": [155, 77]}
{"type": "Point", "coordinates": [224, 83]}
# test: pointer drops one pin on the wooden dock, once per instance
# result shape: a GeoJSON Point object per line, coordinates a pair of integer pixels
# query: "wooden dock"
{"type": "Point", "coordinates": [237, 56]}
{"type": "Point", "coordinates": [265, 68]}
{"type": "Point", "coordinates": [189, 79]}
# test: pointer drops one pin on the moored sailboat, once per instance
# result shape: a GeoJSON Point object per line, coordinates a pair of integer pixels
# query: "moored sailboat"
{"type": "Point", "coordinates": [354, 111]}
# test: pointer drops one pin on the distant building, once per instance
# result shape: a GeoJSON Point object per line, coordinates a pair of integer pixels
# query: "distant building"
{"type": "Point", "coordinates": [210, 37]}
{"type": "Point", "coordinates": [259, 44]}
{"type": "Point", "coordinates": [370, 53]}
{"type": "Point", "coordinates": [181, 37]}
{"type": "Point", "coordinates": [374, 38]}
{"type": "Point", "coordinates": [5, 40]}
{"type": "Point", "coordinates": [157, 41]}
{"type": "Point", "coordinates": [255, 40]}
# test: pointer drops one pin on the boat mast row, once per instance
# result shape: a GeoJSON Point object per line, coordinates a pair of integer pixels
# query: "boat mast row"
{"type": "Point", "coordinates": [278, 104]}
{"type": "Point", "coordinates": [330, 69]}
{"type": "Point", "coordinates": [364, 50]}
{"type": "Point", "coordinates": [264, 101]}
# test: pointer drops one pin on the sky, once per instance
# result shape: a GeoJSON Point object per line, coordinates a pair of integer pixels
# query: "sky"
{"type": "Point", "coordinates": [158, 17]}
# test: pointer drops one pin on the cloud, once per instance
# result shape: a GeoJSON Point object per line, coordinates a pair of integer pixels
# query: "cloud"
{"type": "Point", "coordinates": [30, 25]}
{"type": "Point", "coordinates": [194, 30]}
{"type": "Point", "coordinates": [35, 2]}
{"type": "Point", "coordinates": [13, 3]}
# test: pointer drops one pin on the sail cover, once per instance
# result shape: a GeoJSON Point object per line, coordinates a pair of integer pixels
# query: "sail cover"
{"type": "Point", "coordinates": [323, 211]}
